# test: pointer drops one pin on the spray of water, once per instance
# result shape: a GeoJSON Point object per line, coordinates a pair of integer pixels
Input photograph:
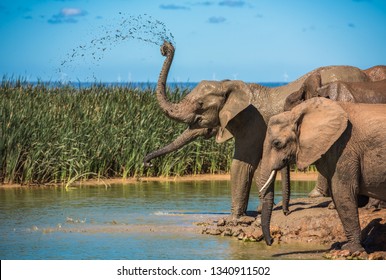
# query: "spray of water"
{"type": "Point", "coordinates": [141, 27]}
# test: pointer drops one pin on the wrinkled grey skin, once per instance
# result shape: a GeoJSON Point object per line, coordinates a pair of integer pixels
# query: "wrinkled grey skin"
{"type": "Point", "coordinates": [364, 91]}
{"type": "Point", "coordinates": [346, 141]}
{"type": "Point", "coordinates": [234, 109]}
{"type": "Point", "coordinates": [371, 91]}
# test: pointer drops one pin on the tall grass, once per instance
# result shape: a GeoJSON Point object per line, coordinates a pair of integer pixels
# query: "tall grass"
{"type": "Point", "coordinates": [51, 134]}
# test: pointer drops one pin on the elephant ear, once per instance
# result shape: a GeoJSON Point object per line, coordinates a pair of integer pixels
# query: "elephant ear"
{"type": "Point", "coordinates": [239, 98]}
{"type": "Point", "coordinates": [308, 90]}
{"type": "Point", "coordinates": [294, 99]}
{"type": "Point", "coordinates": [320, 123]}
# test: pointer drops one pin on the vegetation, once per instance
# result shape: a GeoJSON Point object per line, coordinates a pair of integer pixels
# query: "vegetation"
{"type": "Point", "coordinates": [55, 133]}
{"type": "Point", "coordinates": [60, 133]}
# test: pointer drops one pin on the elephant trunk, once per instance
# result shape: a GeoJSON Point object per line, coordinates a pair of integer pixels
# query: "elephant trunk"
{"type": "Point", "coordinates": [175, 111]}
{"type": "Point", "coordinates": [286, 189]}
{"type": "Point", "coordinates": [186, 137]}
{"type": "Point", "coordinates": [266, 198]}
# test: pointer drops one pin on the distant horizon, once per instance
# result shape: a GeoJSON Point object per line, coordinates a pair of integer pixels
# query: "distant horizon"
{"type": "Point", "coordinates": [26, 80]}
{"type": "Point", "coordinates": [152, 83]}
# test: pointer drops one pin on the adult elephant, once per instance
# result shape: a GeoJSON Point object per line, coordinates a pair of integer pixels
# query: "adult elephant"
{"type": "Point", "coordinates": [368, 91]}
{"type": "Point", "coordinates": [373, 91]}
{"type": "Point", "coordinates": [234, 109]}
{"type": "Point", "coordinates": [346, 141]}
{"type": "Point", "coordinates": [376, 73]}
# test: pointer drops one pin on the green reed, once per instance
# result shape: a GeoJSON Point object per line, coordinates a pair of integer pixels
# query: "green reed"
{"type": "Point", "coordinates": [52, 134]}
{"type": "Point", "coordinates": [56, 134]}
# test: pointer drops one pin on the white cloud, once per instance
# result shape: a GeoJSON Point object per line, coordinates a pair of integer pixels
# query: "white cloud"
{"type": "Point", "coordinates": [71, 12]}
{"type": "Point", "coordinates": [67, 15]}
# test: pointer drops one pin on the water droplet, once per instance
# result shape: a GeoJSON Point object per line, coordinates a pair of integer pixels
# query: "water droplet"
{"type": "Point", "coordinates": [142, 28]}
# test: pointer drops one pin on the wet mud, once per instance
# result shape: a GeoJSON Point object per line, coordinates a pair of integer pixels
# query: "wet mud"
{"type": "Point", "coordinates": [310, 222]}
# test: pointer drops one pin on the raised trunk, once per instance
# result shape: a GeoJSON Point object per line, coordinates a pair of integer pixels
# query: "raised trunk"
{"type": "Point", "coordinates": [178, 111]}
{"type": "Point", "coordinates": [186, 137]}
{"type": "Point", "coordinates": [267, 180]}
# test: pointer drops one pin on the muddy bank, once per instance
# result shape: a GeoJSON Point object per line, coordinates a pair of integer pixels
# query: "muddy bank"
{"type": "Point", "coordinates": [310, 222]}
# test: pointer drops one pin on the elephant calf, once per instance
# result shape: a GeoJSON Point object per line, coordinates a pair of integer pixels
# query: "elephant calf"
{"type": "Point", "coordinates": [346, 141]}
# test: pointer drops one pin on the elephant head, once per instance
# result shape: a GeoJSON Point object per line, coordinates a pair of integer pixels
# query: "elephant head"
{"type": "Point", "coordinates": [206, 110]}
{"type": "Point", "coordinates": [302, 136]}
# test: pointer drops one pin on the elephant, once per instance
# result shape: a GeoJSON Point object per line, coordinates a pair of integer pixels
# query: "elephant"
{"type": "Point", "coordinates": [346, 142]}
{"type": "Point", "coordinates": [358, 92]}
{"type": "Point", "coordinates": [234, 109]}
{"type": "Point", "coordinates": [373, 91]}
{"type": "Point", "coordinates": [376, 73]}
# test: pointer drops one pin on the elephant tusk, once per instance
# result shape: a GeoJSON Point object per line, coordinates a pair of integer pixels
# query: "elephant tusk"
{"type": "Point", "coordinates": [269, 181]}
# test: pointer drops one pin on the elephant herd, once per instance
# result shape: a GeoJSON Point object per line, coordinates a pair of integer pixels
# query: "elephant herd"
{"type": "Point", "coordinates": [324, 118]}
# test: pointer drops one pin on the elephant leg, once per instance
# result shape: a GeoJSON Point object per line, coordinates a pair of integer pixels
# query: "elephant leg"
{"type": "Point", "coordinates": [257, 180]}
{"type": "Point", "coordinates": [248, 129]}
{"type": "Point", "coordinates": [241, 180]}
{"type": "Point", "coordinates": [374, 203]}
{"type": "Point", "coordinates": [321, 188]}
{"type": "Point", "coordinates": [344, 194]}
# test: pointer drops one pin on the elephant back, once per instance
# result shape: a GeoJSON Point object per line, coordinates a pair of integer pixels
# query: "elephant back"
{"type": "Point", "coordinates": [342, 73]}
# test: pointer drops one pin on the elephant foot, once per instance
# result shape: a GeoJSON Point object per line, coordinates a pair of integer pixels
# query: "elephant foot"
{"type": "Point", "coordinates": [346, 255]}
{"type": "Point", "coordinates": [315, 193]}
{"type": "Point", "coordinates": [235, 216]}
{"type": "Point", "coordinates": [375, 204]}
{"type": "Point", "coordinates": [331, 206]}
{"type": "Point", "coordinates": [345, 251]}
{"type": "Point", "coordinates": [353, 248]}
{"type": "Point", "coordinates": [370, 206]}
{"type": "Point", "coordinates": [259, 208]}
{"type": "Point", "coordinates": [286, 212]}
{"type": "Point", "coordinates": [238, 220]}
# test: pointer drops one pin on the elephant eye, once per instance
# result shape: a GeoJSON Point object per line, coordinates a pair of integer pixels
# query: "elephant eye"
{"type": "Point", "coordinates": [198, 119]}
{"type": "Point", "coordinates": [277, 144]}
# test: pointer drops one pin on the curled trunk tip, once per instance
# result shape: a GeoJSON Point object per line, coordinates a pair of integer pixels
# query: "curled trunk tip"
{"type": "Point", "coordinates": [181, 112]}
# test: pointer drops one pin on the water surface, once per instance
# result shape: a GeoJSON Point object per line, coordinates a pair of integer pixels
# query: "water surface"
{"type": "Point", "coordinates": [144, 221]}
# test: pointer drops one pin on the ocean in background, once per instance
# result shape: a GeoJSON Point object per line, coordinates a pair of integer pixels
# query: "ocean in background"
{"type": "Point", "coordinates": [135, 85]}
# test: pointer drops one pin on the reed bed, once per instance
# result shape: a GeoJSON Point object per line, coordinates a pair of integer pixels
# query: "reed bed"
{"type": "Point", "coordinates": [55, 134]}
{"type": "Point", "coordinates": [62, 133]}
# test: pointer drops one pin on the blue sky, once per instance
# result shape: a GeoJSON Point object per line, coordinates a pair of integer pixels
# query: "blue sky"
{"type": "Point", "coordinates": [254, 41]}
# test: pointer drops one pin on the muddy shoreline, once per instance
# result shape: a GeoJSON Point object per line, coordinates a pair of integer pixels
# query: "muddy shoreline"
{"type": "Point", "coordinates": [310, 222]}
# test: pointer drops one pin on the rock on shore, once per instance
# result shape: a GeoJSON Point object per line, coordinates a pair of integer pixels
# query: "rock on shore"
{"type": "Point", "coordinates": [310, 221]}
